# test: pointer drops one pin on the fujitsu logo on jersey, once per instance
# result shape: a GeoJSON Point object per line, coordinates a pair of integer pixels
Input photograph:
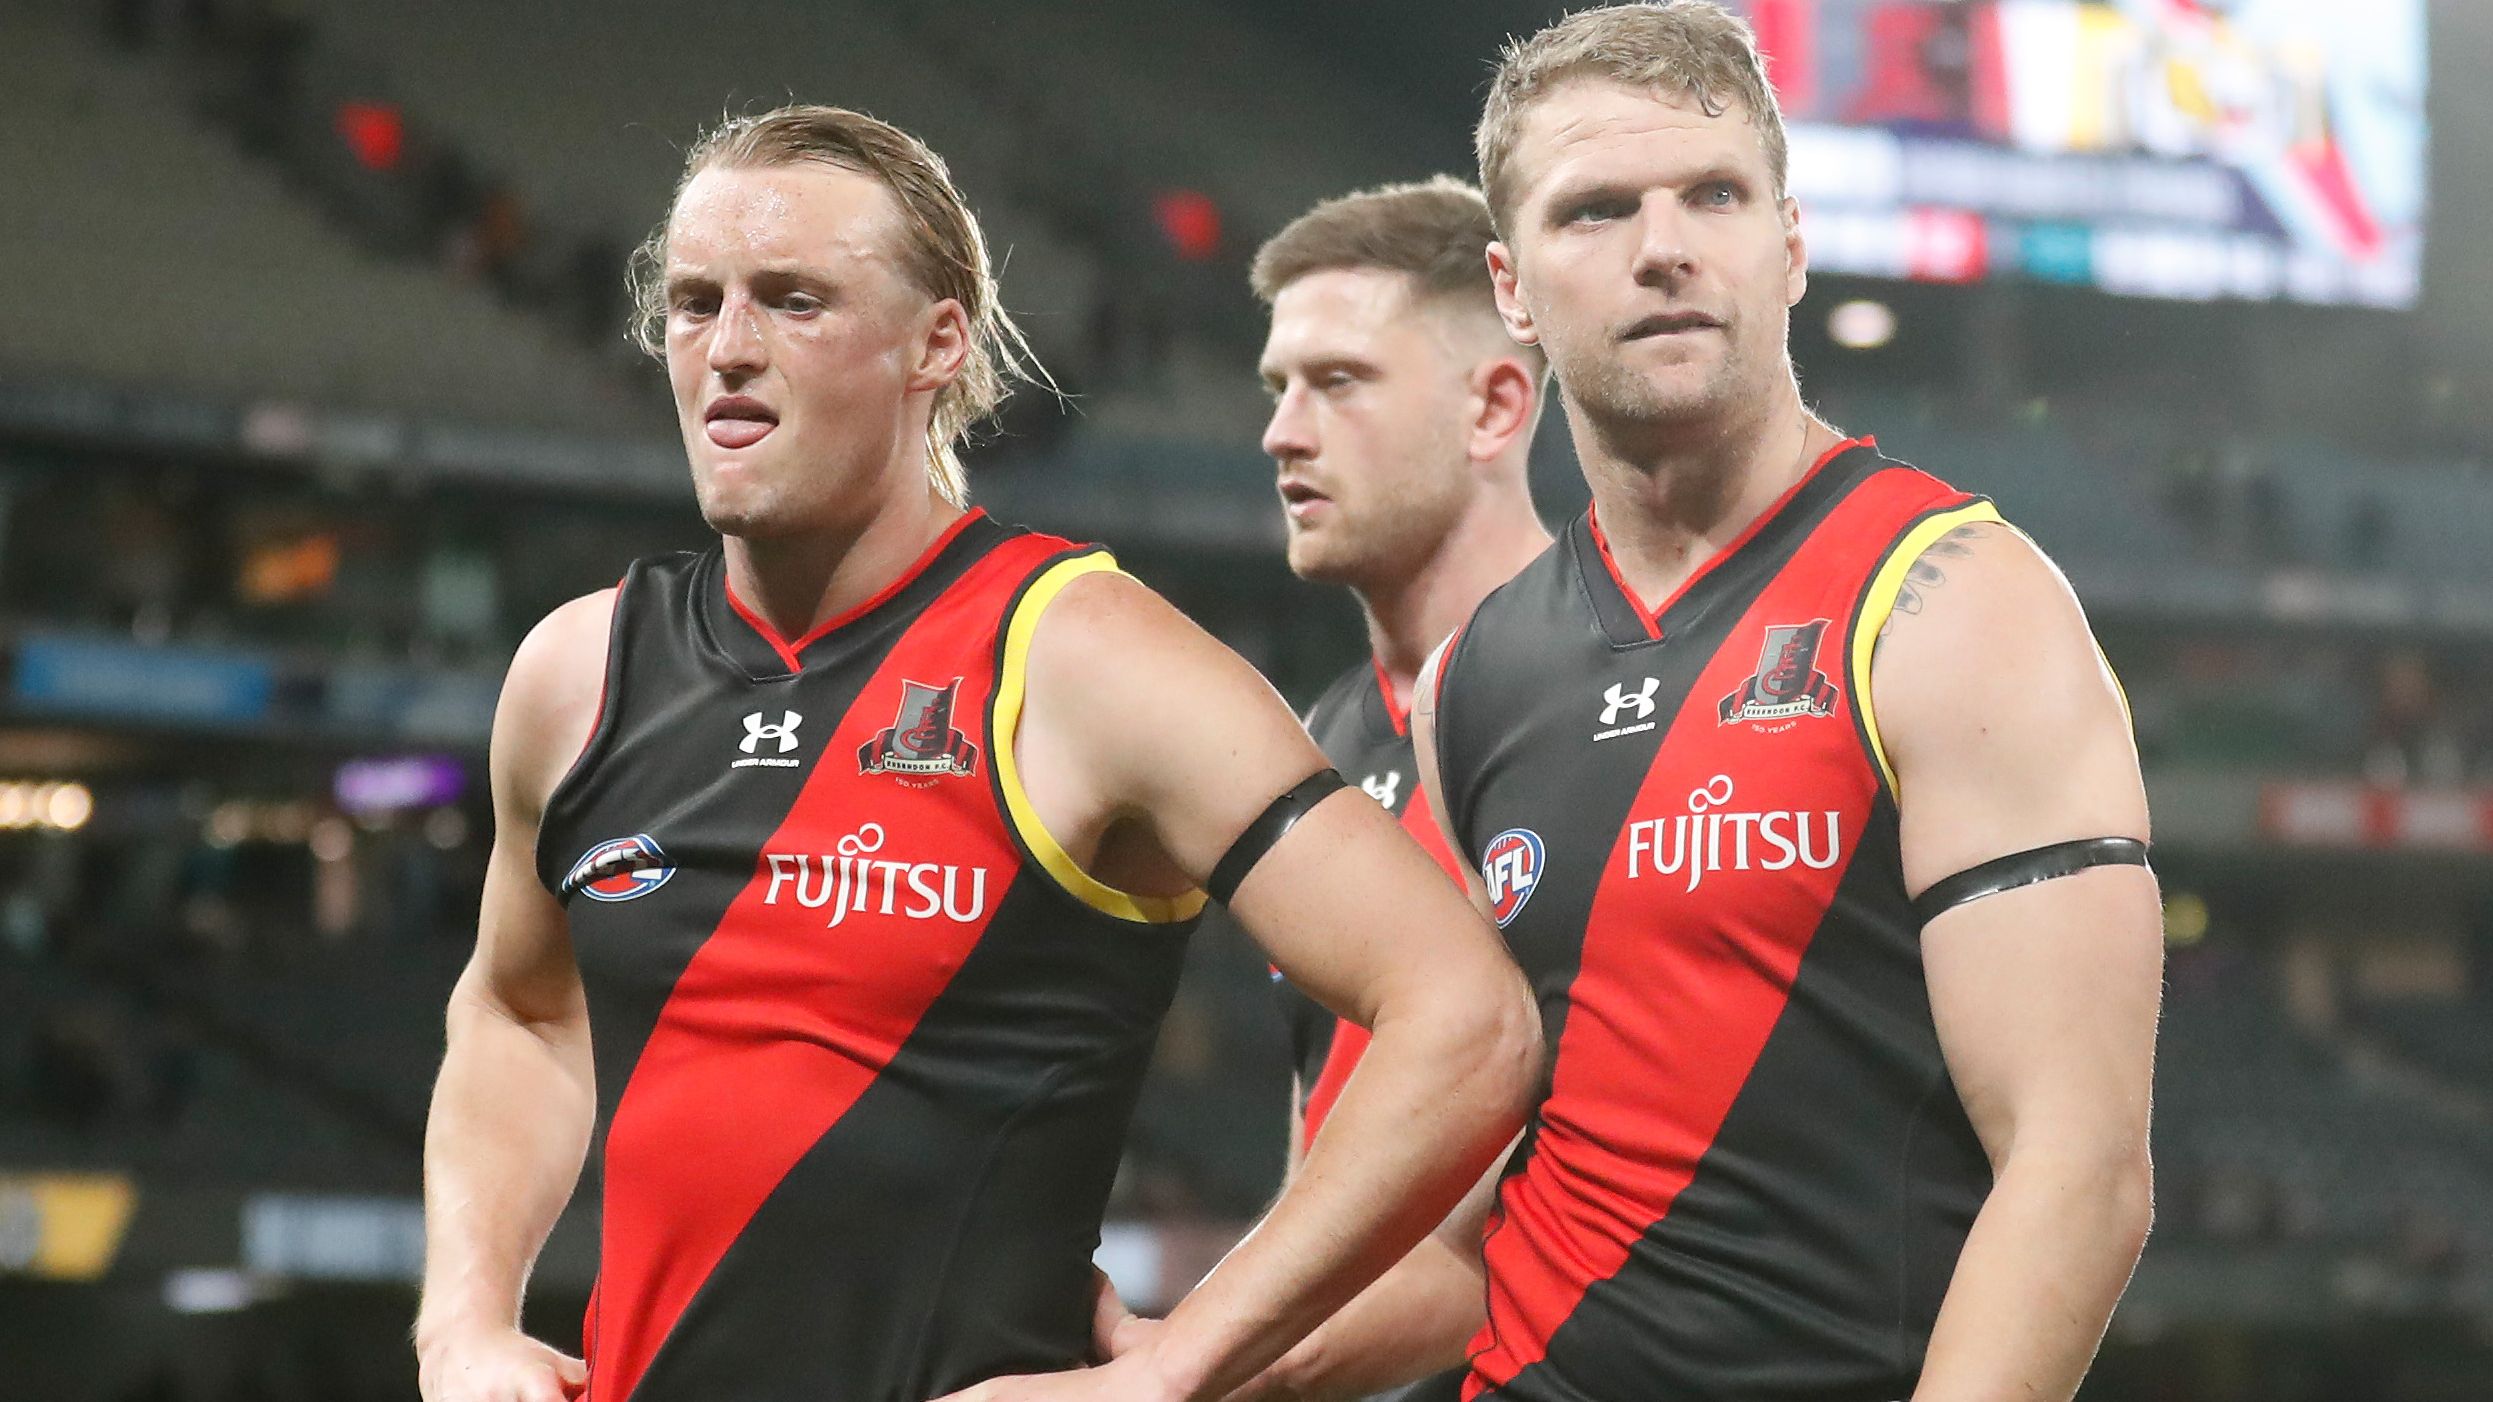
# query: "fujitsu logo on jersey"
{"type": "Point", "coordinates": [1708, 839]}
{"type": "Point", "coordinates": [854, 881]}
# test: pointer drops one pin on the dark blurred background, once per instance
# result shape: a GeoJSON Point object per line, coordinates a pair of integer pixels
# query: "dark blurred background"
{"type": "Point", "coordinates": [314, 396]}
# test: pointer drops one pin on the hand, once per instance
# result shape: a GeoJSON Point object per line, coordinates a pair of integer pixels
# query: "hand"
{"type": "Point", "coordinates": [1115, 1330]}
{"type": "Point", "coordinates": [1127, 1379]}
{"type": "Point", "coordinates": [497, 1365]}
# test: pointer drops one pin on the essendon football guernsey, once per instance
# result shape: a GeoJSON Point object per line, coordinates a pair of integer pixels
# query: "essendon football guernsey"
{"type": "Point", "coordinates": [1751, 1175]}
{"type": "Point", "coordinates": [1365, 736]}
{"type": "Point", "coordinates": [866, 1039]}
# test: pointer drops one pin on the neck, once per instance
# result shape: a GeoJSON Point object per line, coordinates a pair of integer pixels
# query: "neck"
{"type": "Point", "coordinates": [1672, 503]}
{"type": "Point", "coordinates": [799, 582]}
{"type": "Point", "coordinates": [1407, 618]}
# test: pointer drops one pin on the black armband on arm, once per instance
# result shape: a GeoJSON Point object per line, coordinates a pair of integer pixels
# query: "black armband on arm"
{"type": "Point", "coordinates": [1277, 818]}
{"type": "Point", "coordinates": [2026, 869]}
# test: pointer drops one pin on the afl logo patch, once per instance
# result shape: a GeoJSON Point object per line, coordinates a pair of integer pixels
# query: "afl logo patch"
{"type": "Point", "coordinates": [1511, 867]}
{"type": "Point", "coordinates": [625, 869]}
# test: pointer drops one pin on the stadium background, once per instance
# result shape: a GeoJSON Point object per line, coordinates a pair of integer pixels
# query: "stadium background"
{"type": "Point", "coordinates": [313, 396]}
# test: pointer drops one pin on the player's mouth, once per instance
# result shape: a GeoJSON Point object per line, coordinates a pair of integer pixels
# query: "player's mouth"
{"type": "Point", "coordinates": [736, 421]}
{"type": "Point", "coordinates": [1670, 324]}
{"type": "Point", "coordinates": [1300, 502]}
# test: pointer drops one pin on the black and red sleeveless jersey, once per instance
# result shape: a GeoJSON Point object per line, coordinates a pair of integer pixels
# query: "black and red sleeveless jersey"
{"type": "Point", "coordinates": [866, 1039]}
{"type": "Point", "coordinates": [1367, 738]}
{"type": "Point", "coordinates": [1751, 1175]}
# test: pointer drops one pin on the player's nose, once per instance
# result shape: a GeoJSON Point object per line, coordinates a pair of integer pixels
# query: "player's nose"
{"type": "Point", "coordinates": [1663, 255]}
{"type": "Point", "coordinates": [1291, 433]}
{"type": "Point", "coordinates": [737, 344]}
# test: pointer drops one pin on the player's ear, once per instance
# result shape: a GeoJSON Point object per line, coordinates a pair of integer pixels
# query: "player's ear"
{"type": "Point", "coordinates": [1506, 282]}
{"type": "Point", "coordinates": [1795, 254]}
{"type": "Point", "coordinates": [1506, 399]}
{"type": "Point", "coordinates": [943, 346]}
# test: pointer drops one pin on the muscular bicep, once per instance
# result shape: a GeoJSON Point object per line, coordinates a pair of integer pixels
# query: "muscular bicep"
{"type": "Point", "coordinates": [2006, 733]}
{"type": "Point", "coordinates": [2045, 1002]}
{"type": "Point", "coordinates": [1138, 718]}
{"type": "Point", "coordinates": [1144, 738]}
{"type": "Point", "coordinates": [2003, 725]}
{"type": "Point", "coordinates": [523, 965]}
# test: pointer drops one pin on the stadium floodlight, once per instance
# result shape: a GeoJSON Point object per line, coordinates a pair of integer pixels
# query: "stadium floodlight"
{"type": "Point", "coordinates": [1861, 325]}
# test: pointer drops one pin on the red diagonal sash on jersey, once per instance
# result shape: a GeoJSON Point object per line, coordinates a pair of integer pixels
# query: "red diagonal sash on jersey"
{"type": "Point", "coordinates": [778, 1023]}
{"type": "Point", "coordinates": [1675, 996]}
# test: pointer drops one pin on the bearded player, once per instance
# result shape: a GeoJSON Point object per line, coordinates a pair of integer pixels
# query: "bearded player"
{"type": "Point", "coordinates": [842, 872]}
{"type": "Point", "coordinates": [1402, 419]}
{"type": "Point", "coordinates": [1803, 795]}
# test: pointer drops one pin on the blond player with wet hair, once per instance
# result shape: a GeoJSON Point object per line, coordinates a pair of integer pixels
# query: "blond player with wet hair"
{"type": "Point", "coordinates": [842, 872]}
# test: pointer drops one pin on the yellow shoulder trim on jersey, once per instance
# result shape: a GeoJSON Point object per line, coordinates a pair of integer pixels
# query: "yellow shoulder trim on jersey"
{"type": "Point", "coordinates": [1878, 604]}
{"type": "Point", "coordinates": [1012, 680]}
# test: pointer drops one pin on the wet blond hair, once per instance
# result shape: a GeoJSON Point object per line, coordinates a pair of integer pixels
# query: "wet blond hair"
{"type": "Point", "coordinates": [1695, 47]}
{"type": "Point", "coordinates": [942, 252]}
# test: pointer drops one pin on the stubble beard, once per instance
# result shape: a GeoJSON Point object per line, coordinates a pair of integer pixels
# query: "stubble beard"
{"type": "Point", "coordinates": [1626, 408]}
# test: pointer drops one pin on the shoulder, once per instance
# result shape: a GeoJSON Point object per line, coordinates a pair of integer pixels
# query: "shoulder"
{"type": "Point", "coordinates": [1130, 712]}
{"type": "Point", "coordinates": [1106, 639]}
{"type": "Point", "coordinates": [551, 696]}
{"type": "Point", "coordinates": [1988, 656]}
{"type": "Point", "coordinates": [1084, 611]}
{"type": "Point", "coordinates": [1977, 581]}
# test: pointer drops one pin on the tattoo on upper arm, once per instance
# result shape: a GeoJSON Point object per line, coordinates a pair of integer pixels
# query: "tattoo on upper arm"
{"type": "Point", "coordinates": [1925, 574]}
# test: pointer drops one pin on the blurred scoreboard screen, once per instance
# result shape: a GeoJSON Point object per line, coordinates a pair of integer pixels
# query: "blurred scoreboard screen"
{"type": "Point", "coordinates": [2196, 149]}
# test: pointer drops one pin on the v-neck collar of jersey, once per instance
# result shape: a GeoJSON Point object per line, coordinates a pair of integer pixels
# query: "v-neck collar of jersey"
{"type": "Point", "coordinates": [1626, 618]}
{"type": "Point", "coordinates": [764, 652]}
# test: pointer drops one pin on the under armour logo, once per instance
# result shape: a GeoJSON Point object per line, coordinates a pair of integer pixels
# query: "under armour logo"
{"type": "Point", "coordinates": [1618, 698]}
{"type": "Point", "coordinates": [1383, 788]}
{"type": "Point", "coordinates": [755, 732]}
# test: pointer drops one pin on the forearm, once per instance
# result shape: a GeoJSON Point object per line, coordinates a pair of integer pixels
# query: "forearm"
{"type": "Point", "coordinates": [2045, 1263]}
{"type": "Point", "coordinates": [1438, 1092]}
{"type": "Point", "coordinates": [509, 1128]}
{"type": "Point", "coordinates": [1417, 1319]}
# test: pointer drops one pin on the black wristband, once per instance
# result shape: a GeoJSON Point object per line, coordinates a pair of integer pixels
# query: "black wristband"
{"type": "Point", "coordinates": [2025, 869]}
{"type": "Point", "coordinates": [1269, 825]}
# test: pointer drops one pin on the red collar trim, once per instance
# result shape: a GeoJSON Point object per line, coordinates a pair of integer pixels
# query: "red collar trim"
{"type": "Point", "coordinates": [791, 652]}
{"type": "Point", "coordinates": [1652, 617]}
{"type": "Point", "coordinates": [1399, 715]}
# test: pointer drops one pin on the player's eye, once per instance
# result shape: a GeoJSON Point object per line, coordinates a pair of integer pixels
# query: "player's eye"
{"type": "Point", "coordinates": [696, 304]}
{"type": "Point", "coordinates": [1718, 194]}
{"type": "Point", "coordinates": [1600, 209]}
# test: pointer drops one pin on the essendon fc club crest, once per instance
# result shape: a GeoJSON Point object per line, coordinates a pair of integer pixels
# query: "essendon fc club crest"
{"type": "Point", "coordinates": [1788, 681]}
{"type": "Point", "coordinates": [921, 740]}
